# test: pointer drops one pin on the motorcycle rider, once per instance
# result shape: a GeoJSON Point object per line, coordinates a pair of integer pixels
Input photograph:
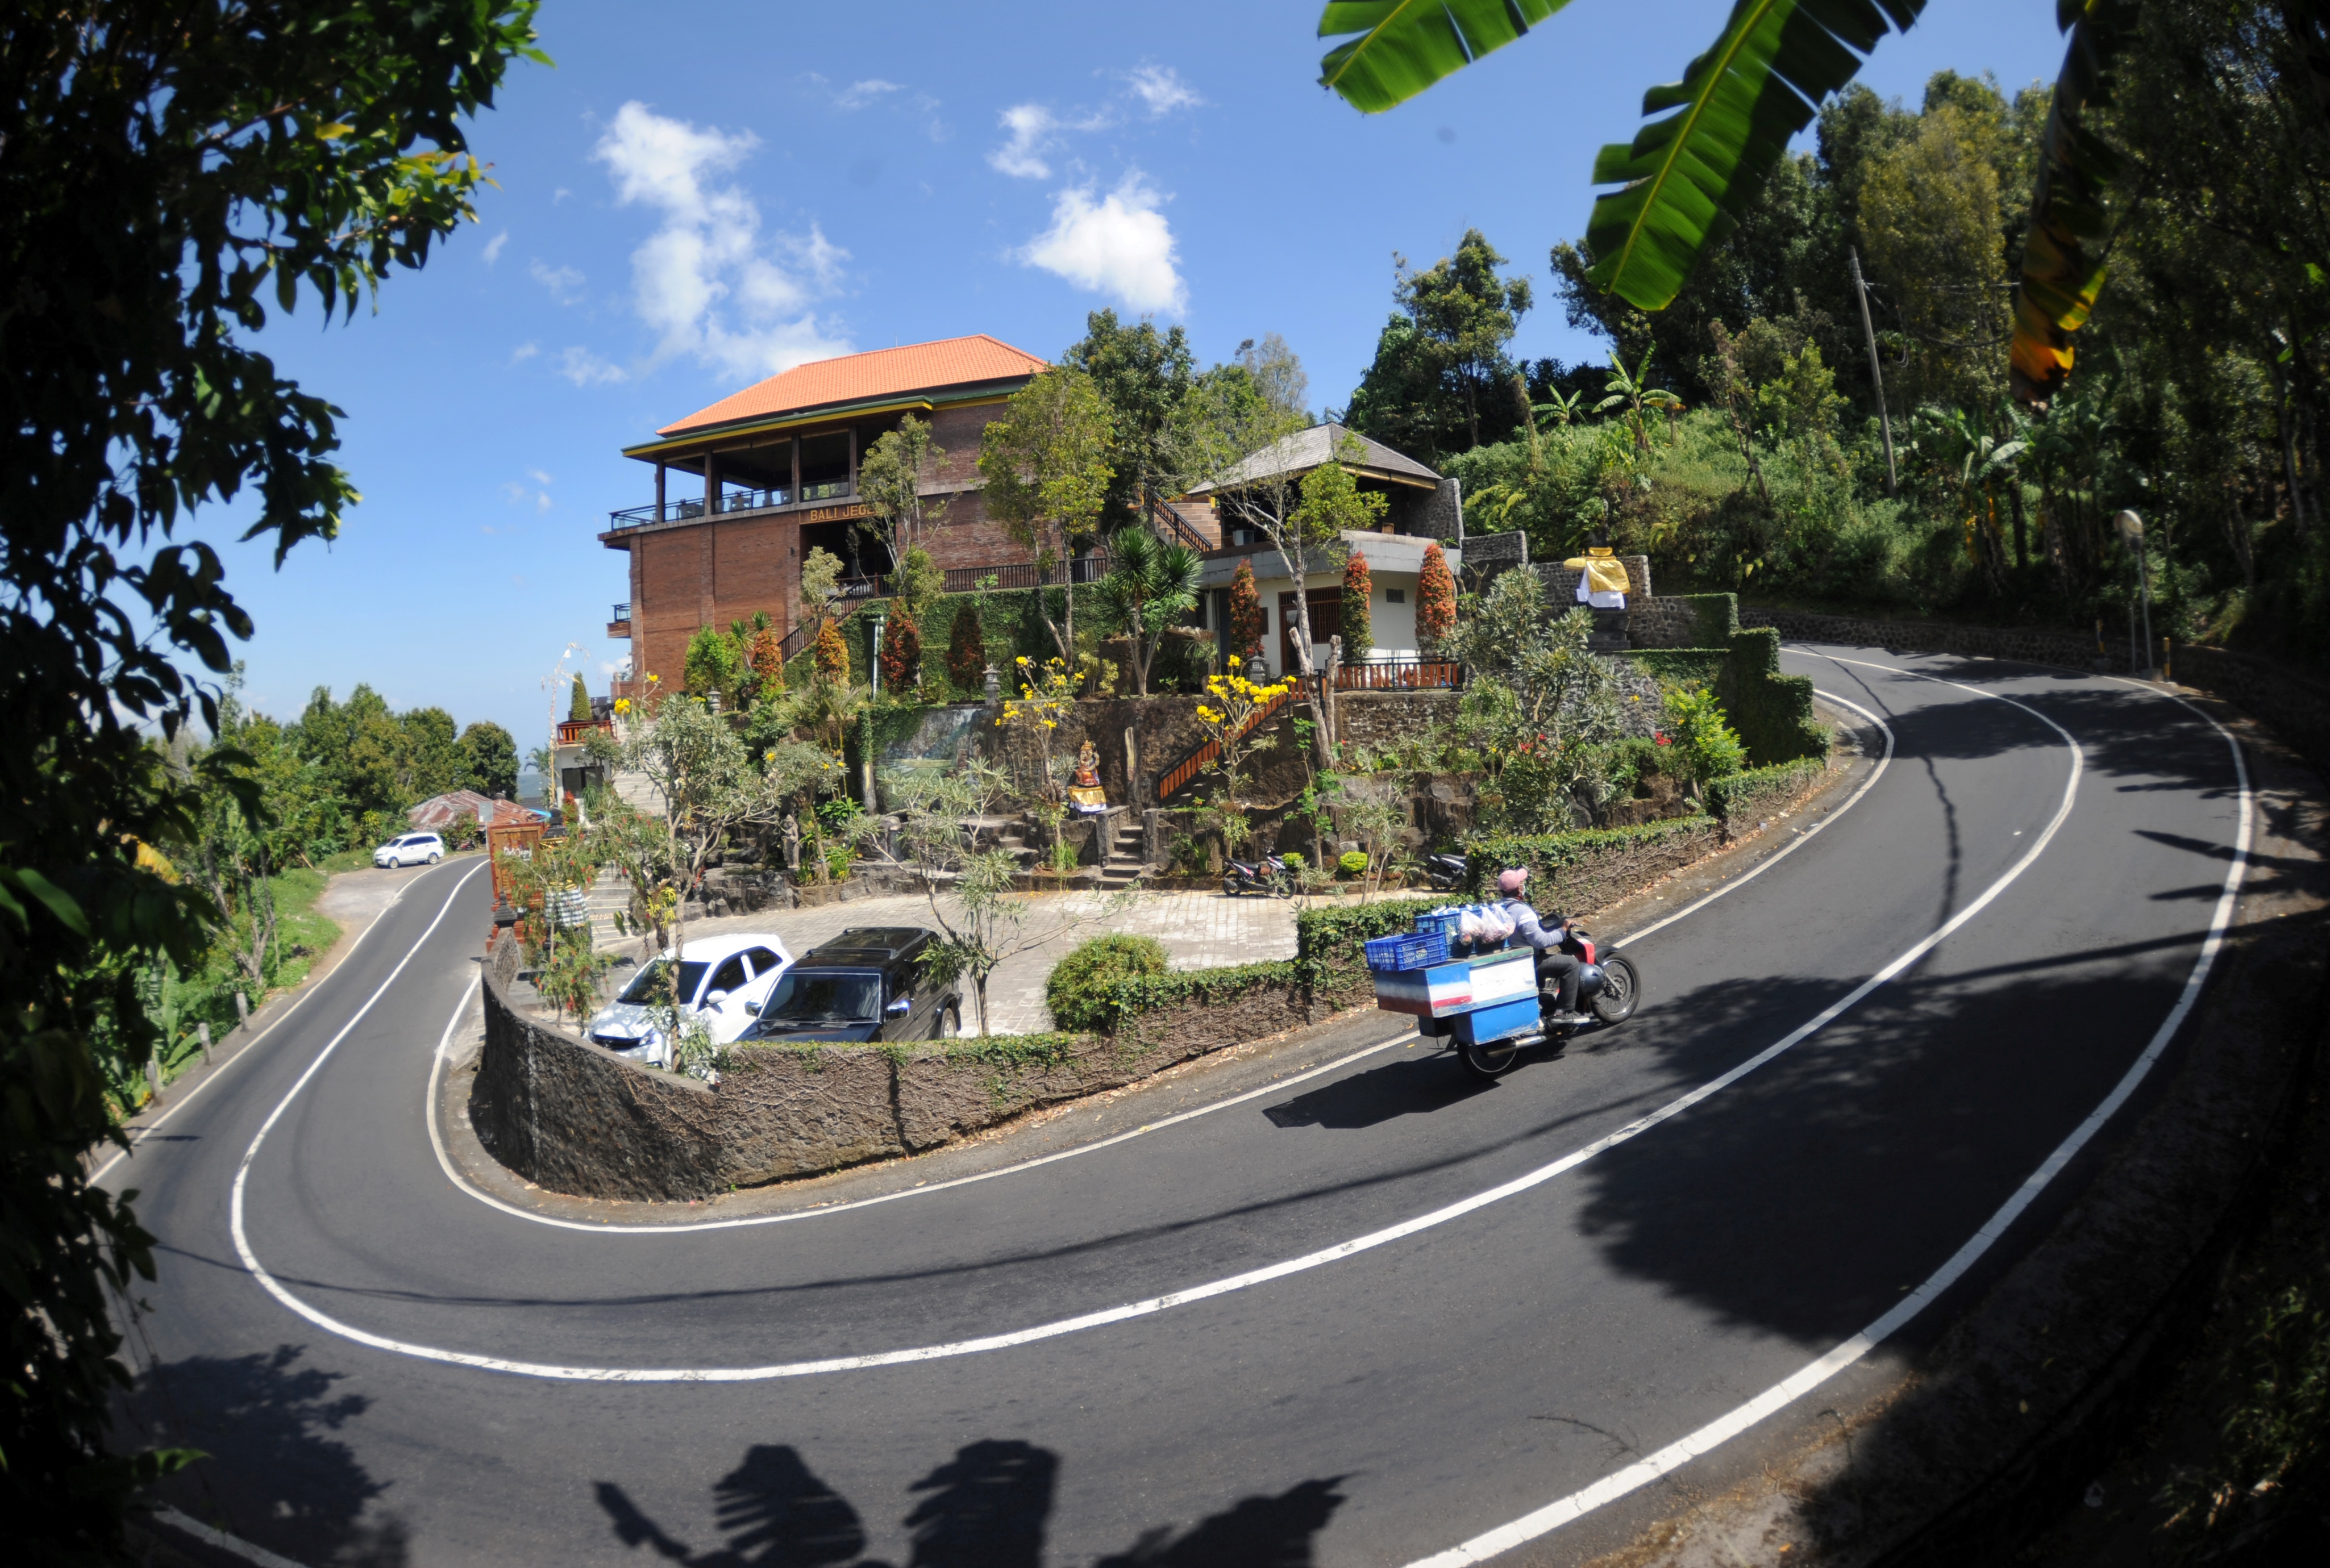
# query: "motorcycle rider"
{"type": "Point", "coordinates": [1556, 969]}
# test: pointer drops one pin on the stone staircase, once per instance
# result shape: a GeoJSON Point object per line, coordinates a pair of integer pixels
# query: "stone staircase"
{"type": "Point", "coordinates": [608, 896]}
{"type": "Point", "coordinates": [1123, 864]}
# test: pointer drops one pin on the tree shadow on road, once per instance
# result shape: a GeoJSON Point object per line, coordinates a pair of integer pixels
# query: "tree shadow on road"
{"type": "Point", "coordinates": [274, 1472]}
{"type": "Point", "coordinates": [986, 1507]}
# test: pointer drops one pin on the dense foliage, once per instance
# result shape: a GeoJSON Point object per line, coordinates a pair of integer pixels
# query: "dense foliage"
{"type": "Point", "coordinates": [169, 173]}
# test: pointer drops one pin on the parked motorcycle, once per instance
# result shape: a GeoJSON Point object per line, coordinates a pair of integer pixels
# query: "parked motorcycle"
{"type": "Point", "coordinates": [1269, 875]}
{"type": "Point", "coordinates": [1448, 871]}
{"type": "Point", "coordinates": [1609, 986]}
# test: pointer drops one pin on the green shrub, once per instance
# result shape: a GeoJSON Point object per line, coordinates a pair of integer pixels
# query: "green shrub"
{"type": "Point", "coordinates": [1355, 864]}
{"type": "Point", "coordinates": [1704, 746]}
{"type": "Point", "coordinates": [1293, 862]}
{"type": "Point", "coordinates": [1743, 796]}
{"type": "Point", "coordinates": [1076, 992]}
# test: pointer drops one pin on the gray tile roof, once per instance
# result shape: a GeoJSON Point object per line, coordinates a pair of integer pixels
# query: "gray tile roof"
{"type": "Point", "coordinates": [1307, 450]}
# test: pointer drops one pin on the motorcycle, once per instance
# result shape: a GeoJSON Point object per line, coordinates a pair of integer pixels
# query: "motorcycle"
{"type": "Point", "coordinates": [1609, 987]}
{"type": "Point", "coordinates": [1447, 872]}
{"type": "Point", "coordinates": [1269, 875]}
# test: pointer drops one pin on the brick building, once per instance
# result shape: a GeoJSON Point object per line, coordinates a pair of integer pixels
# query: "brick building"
{"type": "Point", "coordinates": [744, 489]}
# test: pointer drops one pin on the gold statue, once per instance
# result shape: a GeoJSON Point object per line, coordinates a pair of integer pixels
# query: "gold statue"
{"type": "Point", "coordinates": [1087, 794]}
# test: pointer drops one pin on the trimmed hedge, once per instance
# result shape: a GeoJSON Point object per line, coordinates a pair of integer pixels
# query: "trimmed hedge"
{"type": "Point", "coordinates": [1772, 712]}
{"type": "Point", "coordinates": [1072, 993]}
{"type": "Point", "coordinates": [1112, 1005]}
{"type": "Point", "coordinates": [1330, 947]}
{"type": "Point", "coordinates": [1704, 664]}
{"type": "Point", "coordinates": [1592, 867]}
{"type": "Point", "coordinates": [1747, 795]}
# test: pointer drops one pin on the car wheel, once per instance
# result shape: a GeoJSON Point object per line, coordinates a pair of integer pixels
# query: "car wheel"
{"type": "Point", "coordinates": [950, 1021]}
{"type": "Point", "coordinates": [434, 858]}
{"type": "Point", "coordinates": [392, 863]}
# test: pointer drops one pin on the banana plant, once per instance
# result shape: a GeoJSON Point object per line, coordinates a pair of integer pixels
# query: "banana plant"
{"type": "Point", "coordinates": [1634, 393]}
{"type": "Point", "coordinates": [1712, 139]}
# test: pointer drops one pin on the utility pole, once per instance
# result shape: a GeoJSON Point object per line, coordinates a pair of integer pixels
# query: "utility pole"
{"type": "Point", "coordinates": [1876, 371]}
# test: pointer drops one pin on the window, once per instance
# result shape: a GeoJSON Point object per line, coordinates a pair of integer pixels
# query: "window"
{"type": "Point", "coordinates": [1395, 596]}
{"type": "Point", "coordinates": [1266, 618]}
{"type": "Point", "coordinates": [647, 985]}
{"type": "Point", "coordinates": [730, 976]}
{"type": "Point", "coordinates": [762, 961]}
{"type": "Point", "coordinates": [844, 997]}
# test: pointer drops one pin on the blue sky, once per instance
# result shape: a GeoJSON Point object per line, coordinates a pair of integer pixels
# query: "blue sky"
{"type": "Point", "coordinates": [700, 194]}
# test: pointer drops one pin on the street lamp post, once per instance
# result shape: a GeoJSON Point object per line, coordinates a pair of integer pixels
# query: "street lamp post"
{"type": "Point", "coordinates": [2131, 534]}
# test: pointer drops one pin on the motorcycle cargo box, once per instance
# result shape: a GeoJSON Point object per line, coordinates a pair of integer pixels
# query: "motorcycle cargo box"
{"type": "Point", "coordinates": [1498, 1021]}
{"type": "Point", "coordinates": [1461, 985]}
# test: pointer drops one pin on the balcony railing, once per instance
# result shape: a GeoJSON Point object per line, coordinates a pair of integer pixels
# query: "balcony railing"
{"type": "Point", "coordinates": [1398, 675]}
{"type": "Point", "coordinates": [730, 500]}
{"type": "Point", "coordinates": [574, 731]}
{"type": "Point", "coordinates": [1084, 568]}
{"type": "Point", "coordinates": [622, 611]}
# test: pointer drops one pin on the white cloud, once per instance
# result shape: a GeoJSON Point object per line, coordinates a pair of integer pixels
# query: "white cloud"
{"type": "Point", "coordinates": [859, 94]}
{"type": "Point", "coordinates": [1119, 245]}
{"type": "Point", "coordinates": [524, 351]}
{"type": "Point", "coordinates": [541, 504]}
{"type": "Point", "coordinates": [564, 283]}
{"type": "Point", "coordinates": [707, 282]}
{"type": "Point", "coordinates": [586, 369]}
{"type": "Point", "coordinates": [1161, 88]}
{"type": "Point", "coordinates": [1031, 126]}
{"type": "Point", "coordinates": [494, 247]}
{"type": "Point", "coordinates": [537, 475]}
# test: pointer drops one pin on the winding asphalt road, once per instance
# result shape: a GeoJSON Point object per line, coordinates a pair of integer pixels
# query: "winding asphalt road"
{"type": "Point", "coordinates": [1444, 1313]}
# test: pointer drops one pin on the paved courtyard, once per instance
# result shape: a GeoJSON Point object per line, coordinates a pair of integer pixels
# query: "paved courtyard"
{"type": "Point", "coordinates": [1200, 930]}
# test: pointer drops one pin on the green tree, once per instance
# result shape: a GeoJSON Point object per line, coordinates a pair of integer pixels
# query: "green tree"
{"type": "Point", "coordinates": [429, 762]}
{"type": "Point", "coordinates": [713, 663]}
{"type": "Point", "coordinates": [1441, 375]}
{"type": "Point", "coordinates": [1145, 376]}
{"type": "Point", "coordinates": [1047, 464]}
{"type": "Point", "coordinates": [171, 172]}
{"type": "Point", "coordinates": [966, 658]}
{"type": "Point", "coordinates": [489, 761]}
{"type": "Point", "coordinates": [1151, 586]}
{"type": "Point", "coordinates": [578, 705]}
{"type": "Point", "coordinates": [890, 482]}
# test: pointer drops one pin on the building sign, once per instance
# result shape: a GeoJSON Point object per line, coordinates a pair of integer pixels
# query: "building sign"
{"type": "Point", "coordinates": [840, 514]}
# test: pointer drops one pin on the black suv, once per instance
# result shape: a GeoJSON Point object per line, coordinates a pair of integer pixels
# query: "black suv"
{"type": "Point", "coordinates": [865, 984]}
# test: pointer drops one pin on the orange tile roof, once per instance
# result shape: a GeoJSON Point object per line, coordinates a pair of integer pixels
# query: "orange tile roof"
{"type": "Point", "coordinates": [859, 377]}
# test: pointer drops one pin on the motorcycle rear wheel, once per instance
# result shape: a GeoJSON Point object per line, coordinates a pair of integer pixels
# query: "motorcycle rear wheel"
{"type": "Point", "coordinates": [1493, 1059]}
{"type": "Point", "coordinates": [1621, 992]}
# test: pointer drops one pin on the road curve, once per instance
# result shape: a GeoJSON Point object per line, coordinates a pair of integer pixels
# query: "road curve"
{"type": "Point", "coordinates": [1879, 1065]}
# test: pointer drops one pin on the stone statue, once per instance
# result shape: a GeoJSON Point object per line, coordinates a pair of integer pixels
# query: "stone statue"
{"type": "Point", "coordinates": [792, 837]}
{"type": "Point", "coordinates": [1086, 794]}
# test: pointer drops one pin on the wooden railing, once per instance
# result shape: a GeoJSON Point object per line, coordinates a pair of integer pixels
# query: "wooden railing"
{"type": "Point", "coordinates": [1400, 675]}
{"type": "Point", "coordinates": [574, 731]}
{"type": "Point", "coordinates": [1177, 777]}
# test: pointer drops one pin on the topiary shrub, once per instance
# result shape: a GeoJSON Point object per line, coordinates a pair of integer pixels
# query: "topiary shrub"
{"type": "Point", "coordinates": [1076, 992]}
{"type": "Point", "coordinates": [966, 659]}
{"type": "Point", "coordinates": [1355, 864]}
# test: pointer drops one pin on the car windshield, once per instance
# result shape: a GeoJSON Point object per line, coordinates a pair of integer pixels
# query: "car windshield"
{"type": "Point", "coordinates": [647, 985]}
{"type": "Point", "coordinates": [851, 998]}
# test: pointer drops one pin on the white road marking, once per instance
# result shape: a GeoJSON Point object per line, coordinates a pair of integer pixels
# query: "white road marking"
{"type": "Point", "coordinates": [1201, 1293]}
{"type": "Point", "coordinates": [1576, 1504]}
{"type": "Point", "coordinates": [149, 1128]}
{"type": "Point", "coordinates": [233, 1544]}
{"type": "Point", "coordinates": [602, 1228]}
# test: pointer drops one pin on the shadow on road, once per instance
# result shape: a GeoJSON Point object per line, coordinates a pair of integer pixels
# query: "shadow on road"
{"type": "Point", "coordinates": [986, 1507]}
{"type": "Point", "coordinates": [277, 1467]}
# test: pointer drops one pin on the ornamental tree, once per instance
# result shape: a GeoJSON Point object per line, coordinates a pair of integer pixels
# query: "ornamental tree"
{"type": "Point", "coordinates": [578, 704]}
{"type": "Point", "coordinates": [1359, 592]}
{"type": "Point", "coordinates": [1435, 601]}
{"type": "Point", "coordinates": [902, 652]}
{"type": "Point", "coordinates": [1245, 614]}
{"type": "Point", "coordinates": [831, 653]}
{"type": "Point", "coordinates": [966, 659]}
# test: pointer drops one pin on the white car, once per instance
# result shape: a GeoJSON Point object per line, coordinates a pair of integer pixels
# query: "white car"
{"type": "Point", "coordinates": [412, 849]}
{"type": "Point", "coordinates": [726, 981]}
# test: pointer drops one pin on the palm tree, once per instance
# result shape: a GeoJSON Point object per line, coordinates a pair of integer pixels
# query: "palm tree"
{"type": "Point", "coordinates": [1149, 587]}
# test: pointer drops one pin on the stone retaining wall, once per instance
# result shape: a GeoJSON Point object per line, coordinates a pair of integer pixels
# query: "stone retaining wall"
{"type": "Point", "coordinates": [2034, 645]}
{"type": "Point", "coordinates": [576, 1118]}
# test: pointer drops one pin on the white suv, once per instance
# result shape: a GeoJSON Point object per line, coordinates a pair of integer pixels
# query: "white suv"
{"type": "Point", "coordinates": [412, 849]}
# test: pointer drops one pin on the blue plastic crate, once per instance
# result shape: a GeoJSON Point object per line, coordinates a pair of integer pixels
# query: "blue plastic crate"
{"type": "Point", "coordinates": [1438, 922]}
{"type": "Point", "coordinates": [1407, 952]}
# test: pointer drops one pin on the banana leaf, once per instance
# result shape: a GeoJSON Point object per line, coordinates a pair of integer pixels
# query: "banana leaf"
{"type": "Point", "coordinates": [1687, 178]}
{"type": "Point", "coordinates": [1400, 47]}
{"type": "Point", "coordinates": [2070, 230]}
